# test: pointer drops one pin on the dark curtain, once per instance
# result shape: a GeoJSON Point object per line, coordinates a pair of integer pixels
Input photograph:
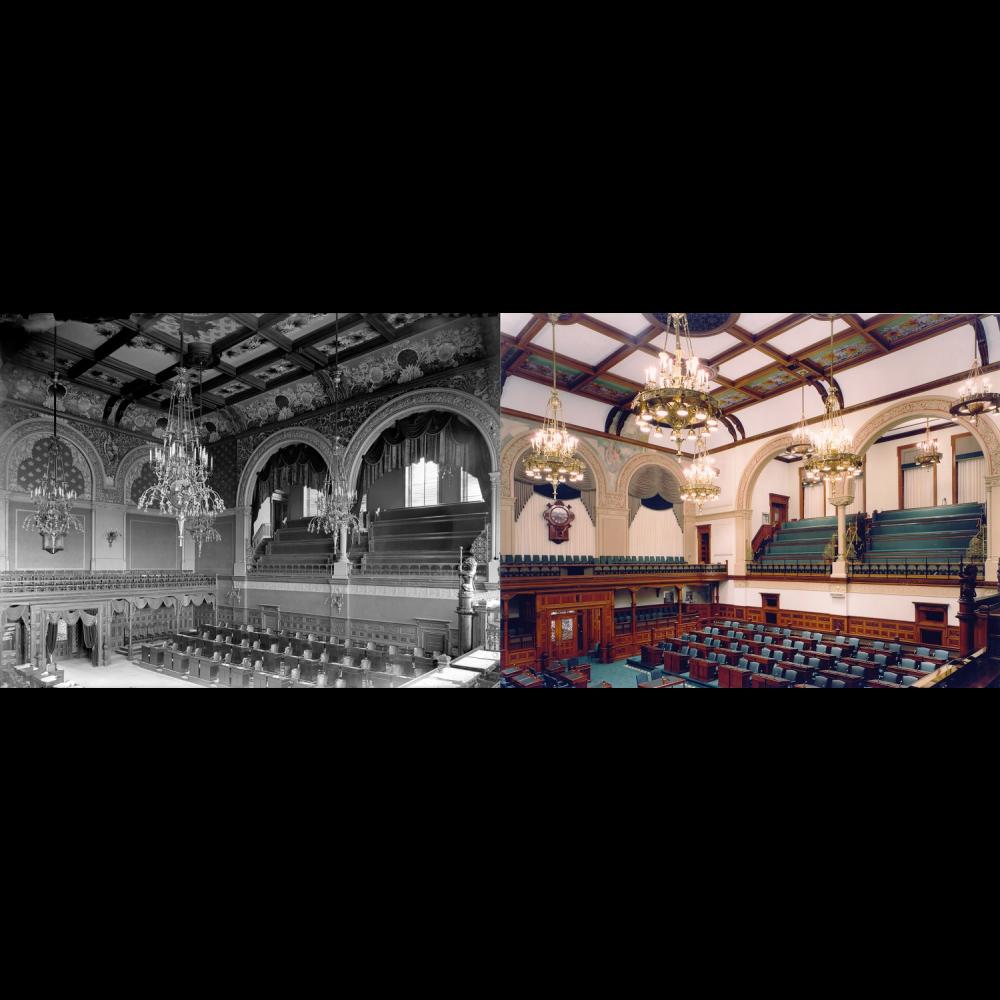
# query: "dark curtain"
{"type": "Point", "coordinates": [656, 502]}
{"type": "Point", "coordinates": [563, 492]}
{"type": "Point", "coordinates": [90, 640]}
{"type": "Point", "coordinates": [50, 639]}
{"type": "Point", "coordinates": [445, 438]}
{"type": "Point", "coordinates": [297, 465]}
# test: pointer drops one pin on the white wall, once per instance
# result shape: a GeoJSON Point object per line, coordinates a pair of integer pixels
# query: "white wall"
{"type": "Point", "coordinates": [777, 477]}
{"type": "Point", "coordinates": [655, 533]}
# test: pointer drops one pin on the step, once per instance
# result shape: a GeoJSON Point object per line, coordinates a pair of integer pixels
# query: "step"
{"type": "Point", "coordinates": [952, 510]}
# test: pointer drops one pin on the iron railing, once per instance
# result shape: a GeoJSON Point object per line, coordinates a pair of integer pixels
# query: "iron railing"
{"type": "Point", "coordinates": [789, 569]}
{"type": "Point", "coordinates": [62, 581]}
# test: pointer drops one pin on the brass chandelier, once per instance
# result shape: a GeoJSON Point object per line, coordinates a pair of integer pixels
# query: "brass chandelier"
{"type": "Point", "coordinates": [53, 517]}
{"type": "Point", "coordinates": [699, 485]}
{"type": "Point", "coordinates": [677, 393]}
{"type": "Point", "coordinates": [336, 504]}
{"type": "Point", "coordinates": [833, 456]}
{"type": "Point", "coordinates": [553, 457]}
{"type": "Point", "coordinates": [927, 450]}
{"type": "Point", "coordinates": [976, 395]}
{"type": "Point", "coordinates": [182, 464]}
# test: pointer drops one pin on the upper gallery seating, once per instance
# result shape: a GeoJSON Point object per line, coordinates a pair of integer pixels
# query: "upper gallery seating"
{"type": "Point", "coordinates": [295, 545]}
{"type": "Point", "coordinates": [568, 560]}
{"type": "Point", "coordinates": [937, 534]}
{"type": "Point", "coordinates": [426, 534]}
{"type": "Point", "coordinates": [803, 541]}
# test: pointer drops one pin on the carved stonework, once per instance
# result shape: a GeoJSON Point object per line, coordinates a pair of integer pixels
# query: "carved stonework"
{"type": "Point", "coordinates": [19, 440]}
{"type": "Point", "coordinates": [475, 410]}
{"type": "Point", "coordinates": [274, 442]}
{"type": "Point", "coordinates": [932, 406]}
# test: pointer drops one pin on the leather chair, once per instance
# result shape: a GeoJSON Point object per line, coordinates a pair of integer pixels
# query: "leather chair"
{"type": "Point", "coordinates": [907, 681]}
{"type": "Point", "coordinates": [821, 682]}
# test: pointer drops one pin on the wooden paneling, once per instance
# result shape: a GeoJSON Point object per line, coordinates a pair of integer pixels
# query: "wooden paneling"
{"type": "Point", "coordinates": [887, 629]}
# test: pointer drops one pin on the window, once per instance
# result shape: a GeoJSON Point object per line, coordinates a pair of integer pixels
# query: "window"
{"type": "Point", "coordinates": [310, 501]}
{"type": "Point", "coordinates": [471, 491]}
{"type": "Point", "coordinates": [422, 479]}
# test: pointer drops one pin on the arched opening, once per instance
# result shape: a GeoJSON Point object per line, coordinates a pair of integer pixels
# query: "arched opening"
{"type": "Point", "coordinates": [285, 499]}
{"type": "Point", "coordinates": [656, 513]}
{"type": "Point", "coordinates": [422, 490]}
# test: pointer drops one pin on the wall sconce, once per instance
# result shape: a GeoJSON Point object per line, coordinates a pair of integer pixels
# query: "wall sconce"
{"type": "Point", "coordinates": [112, 537]}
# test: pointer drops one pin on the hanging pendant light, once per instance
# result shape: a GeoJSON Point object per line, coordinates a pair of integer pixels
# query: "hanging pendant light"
{"type": "Point", "coordinates": [181, 463]}
{"type": "Point", "coordinates": [801, 440]}
{"type": "Point", "coordinates": [677, 394]}
{"type": "Point", "coordinates": [700, 485]}
{"type": "Point", "coordinates": [927, 450]}
{"type": "Point", "coordinates": [201, 526]}
{"type": "Point", "coordinates": [53, 517]}
{"type": "Point", "coordinates": [833, 456]}
{"type": "Point", "coordinates": [335, 509]}
{"type": "Point", "coordinates": [553, 457]}
{"type": "Point", "coordinates": [976, 396]}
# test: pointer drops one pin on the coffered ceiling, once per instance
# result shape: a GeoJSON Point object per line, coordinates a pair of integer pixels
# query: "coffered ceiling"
{"type": "Point", "coordinates": [602, 357]}
{"type": "Point", "coordinates": [132, 358]}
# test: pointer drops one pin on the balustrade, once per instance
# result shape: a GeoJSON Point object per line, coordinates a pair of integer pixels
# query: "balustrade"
{"type": "Point", "coordinates": [63, 581]}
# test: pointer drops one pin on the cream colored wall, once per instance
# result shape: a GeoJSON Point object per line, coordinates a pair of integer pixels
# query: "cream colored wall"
{"type": "Point", "coordinates": [655, 533]}
{"type": "Point", "coordinates": [531, 532]}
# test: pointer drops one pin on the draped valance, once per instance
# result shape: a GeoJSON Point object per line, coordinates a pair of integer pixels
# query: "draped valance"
{"type": "Point", "coordinates": [654, 487]}
{"type": "Point", "coordinates": [17, 613]}
{"type": "Point", "coordinates": [153, 602]}
{"type": "Point", "coordinates": [444, 438]}
{"type": "Point", "coordinates": [72, 617]}
{"type": "Point", "coordinates": [198, 599]}
{"type": "Point", "coordinates": [296, 465]}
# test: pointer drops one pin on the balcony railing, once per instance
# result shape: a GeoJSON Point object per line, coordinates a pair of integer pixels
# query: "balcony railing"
{"type": "Point", "coordinates": [772, 568]}
{"type": "Point", "coordinates": [611, 569]}
{"type": "Point", "coordinates": [63, 581]}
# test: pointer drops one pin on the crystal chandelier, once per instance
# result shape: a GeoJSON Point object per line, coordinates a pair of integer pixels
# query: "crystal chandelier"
{"type": "Point", "coordinates": [927, 449]}
{"type": "Point", "coordinates": [553, 457]}
{"type": "Point", "coordinates": [335, 509]}
{"type": "Point", "coordinates": [53, 517]}
{"type": "Point", "coordinates": [699, 485]}
{"type": "Point", "coordinates": [201, 527]}
{"type": "Point", "coordinates": [832, 456]}
{"type": "Point", "coordinates": [801, 440]}
{"type": "Point", "coordinates": [976, 396]}
{"type": "Point", "coordinates": [677, 393]}
{"type": "Point", "coordinates": [181, 463]}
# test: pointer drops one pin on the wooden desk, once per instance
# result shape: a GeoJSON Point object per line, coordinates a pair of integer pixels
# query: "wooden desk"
{"type": "Point", "coordinates": [767, 681]}
{"type": "Point", "coordinates": [733, 677]}
{"type": "Point", "coordinates": [848, 679]}
{"type": "Point", "coordinates": [701, 670]}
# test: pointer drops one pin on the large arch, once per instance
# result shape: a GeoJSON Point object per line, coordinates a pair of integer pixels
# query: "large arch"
{"type": "Point", "coordinates": [516, 447]}
{"type": "Point", "coordinates": [668, 463]}
{"type": "Point", "coordinates": [277, 441]}
{"type": "Point", "coordinates": [753, 469]}
{"type": "Point", "coordinates": [476, 410]}
{"type": "Point", "coordinates": [38, 426]}
{"type": "Point", "coordinates": [129, 471]}
{"type": "Point", "coordinates": [931, 406]}
{"type": "Point", "coordinates": [480, 413]}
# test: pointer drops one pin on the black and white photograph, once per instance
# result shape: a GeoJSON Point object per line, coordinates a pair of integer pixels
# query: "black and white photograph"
{"type": "Point", "coordinates": [250, 500]}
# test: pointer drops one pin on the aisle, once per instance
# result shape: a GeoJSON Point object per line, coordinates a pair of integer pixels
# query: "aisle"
{"type": "Point", "coordinates": [119, 673]}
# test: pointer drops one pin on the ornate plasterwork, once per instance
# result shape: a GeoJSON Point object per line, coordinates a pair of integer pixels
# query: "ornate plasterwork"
{"type": "Point", "coordinates": [129, 470]}
{"type": "Point", "coordinates": [931, 406]}
{"type": "Point", "coordinates": [25, 434]}
{"type": "Point", "coordinates": [275, 442]}
{"type": "Point", "coordinates": [480, 413]}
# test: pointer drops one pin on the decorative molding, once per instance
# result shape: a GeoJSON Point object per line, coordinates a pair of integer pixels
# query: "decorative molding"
{"type": "Point", "coordinates": [275, 442]}
{"type": "Point", "coordinates": [479, 412]}
{"type": "Point", "coordinates": [13, 442]}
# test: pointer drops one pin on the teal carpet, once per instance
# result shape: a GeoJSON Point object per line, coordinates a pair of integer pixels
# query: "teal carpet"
{"type": "Point", "coordinates": [618, 675]}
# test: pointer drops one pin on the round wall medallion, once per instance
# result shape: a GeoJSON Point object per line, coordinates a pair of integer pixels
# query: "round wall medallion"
{"type": "Point", "coordinates": [700, 324]}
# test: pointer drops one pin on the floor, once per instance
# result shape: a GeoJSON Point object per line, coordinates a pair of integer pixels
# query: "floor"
{"type": "Point", "coordinates": [619, 675]}
{"type": "Point", "coordinates": [119, 673]}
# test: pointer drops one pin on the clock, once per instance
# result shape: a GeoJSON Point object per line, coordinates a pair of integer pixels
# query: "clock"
{"type": "Point", "coordinates": [558, 517]}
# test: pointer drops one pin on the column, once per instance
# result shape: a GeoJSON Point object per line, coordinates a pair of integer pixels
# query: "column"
{"type": "Point", "coordinates": [843, 497]}
{"type": "Point", "coordinates": [632, 592]}
{"type": "Point", "coordinates": [690, 533]}
{"type": "Point", "coordinates": [493, 570]}
{"type": "Point", "coordinates": [3, 532]}
{"type": "Point", "coordinates": [742, 539]}
{"type": "Point", "coordinates": [506, 614]}
{"type": "Point", "coordinates": [241, 531]}
{"type": "Point", "coordinates": [992, 529]}
{"type": "Point", "coordinates": [342, 567]}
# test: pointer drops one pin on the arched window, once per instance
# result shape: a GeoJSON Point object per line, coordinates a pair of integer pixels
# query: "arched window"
{"type": "Point", "coordinates": [471, 490]}
{"type": "Point", "coordinates": [422, 482]}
